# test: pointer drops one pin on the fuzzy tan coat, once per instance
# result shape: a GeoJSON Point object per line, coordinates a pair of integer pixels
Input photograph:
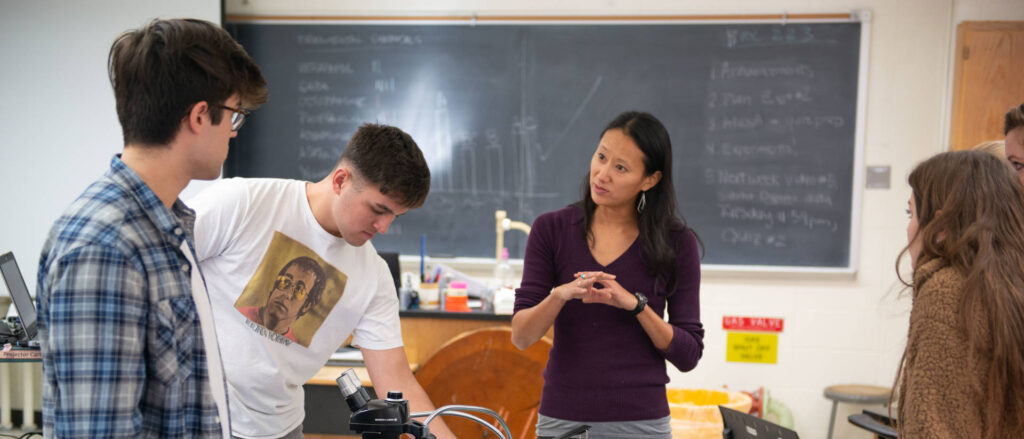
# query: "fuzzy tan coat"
{"type": "Point", "coordinates": [944, 378]}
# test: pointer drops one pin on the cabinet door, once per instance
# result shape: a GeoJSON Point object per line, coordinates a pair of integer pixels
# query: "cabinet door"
{"type": "Point", "coordinates": [988, 80]}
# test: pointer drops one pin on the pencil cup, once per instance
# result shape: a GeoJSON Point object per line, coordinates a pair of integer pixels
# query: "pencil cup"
{"type": "Point", "coordinates": [429, 297]}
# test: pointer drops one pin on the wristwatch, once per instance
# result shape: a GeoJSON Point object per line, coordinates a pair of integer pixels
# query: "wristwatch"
{"type": "Point", "coordinates": [640, 304]}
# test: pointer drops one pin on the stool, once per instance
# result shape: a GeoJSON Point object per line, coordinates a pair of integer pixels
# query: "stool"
{"type": "Point", "coordinates": [856, 393]}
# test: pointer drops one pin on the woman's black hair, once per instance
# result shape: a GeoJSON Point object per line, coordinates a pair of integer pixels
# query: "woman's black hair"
{"type": "Point", "coordinates": [659, 217]}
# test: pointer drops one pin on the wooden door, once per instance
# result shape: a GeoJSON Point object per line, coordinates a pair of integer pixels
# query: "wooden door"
{"type": "Point", "coordinates": [988, 79]}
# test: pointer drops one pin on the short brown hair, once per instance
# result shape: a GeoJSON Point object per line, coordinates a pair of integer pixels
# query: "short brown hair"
{"type": "Point", "coordinates": [161, 70]}
{"type": "Point", "coordinates": [1014, 119]}
{"type": "Point", "coordinates": [388, 158]}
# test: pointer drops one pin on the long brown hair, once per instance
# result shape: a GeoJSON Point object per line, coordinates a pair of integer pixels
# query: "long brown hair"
{"type": "Point", "coordinates": [970, 212]}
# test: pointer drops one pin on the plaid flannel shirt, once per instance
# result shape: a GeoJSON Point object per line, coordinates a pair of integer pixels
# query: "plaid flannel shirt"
{"type": "Point", "coordinates": [123, 352]}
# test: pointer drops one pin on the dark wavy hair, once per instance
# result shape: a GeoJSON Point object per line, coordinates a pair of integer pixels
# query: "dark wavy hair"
{"type": "Point", "coordinates": [161, 70]}
{"type": "Point", "coordinates": [970, 213]}
{"type": "Point", "coordinates": [316, 291]}
{"type": "Point", "coordinates": [659, 217]}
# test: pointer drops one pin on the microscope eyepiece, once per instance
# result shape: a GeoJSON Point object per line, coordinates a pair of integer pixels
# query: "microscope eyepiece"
{"type": "Point", "coordinates": [352, 389]}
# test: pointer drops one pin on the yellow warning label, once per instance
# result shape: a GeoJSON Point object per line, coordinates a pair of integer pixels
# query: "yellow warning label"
{"type": "Point", "coordinates": [750, 347]}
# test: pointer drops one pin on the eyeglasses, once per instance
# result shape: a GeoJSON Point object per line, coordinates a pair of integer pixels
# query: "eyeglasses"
{"type": "Point", "coordinates": [297, 290]}
{"type": "Point", "coordinates": [237, 117]}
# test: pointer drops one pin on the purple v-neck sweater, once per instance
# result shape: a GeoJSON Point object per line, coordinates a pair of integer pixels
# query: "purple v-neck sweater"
{"type": "Point", "coordinates": [603, 366]}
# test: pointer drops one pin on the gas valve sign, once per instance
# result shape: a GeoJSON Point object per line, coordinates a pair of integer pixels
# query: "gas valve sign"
{"type": "Point", "coordinates": [752, 347]}
{"type": "Point", "coordinates": [766, 324]}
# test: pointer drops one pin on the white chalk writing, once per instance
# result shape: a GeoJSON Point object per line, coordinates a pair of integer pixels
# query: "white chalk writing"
{"type": "Point", "coordinates": [318, 152]}
{"type": "Point", "coordinates": [756, 239]}
{"type": "Point", "coordinates": [328, 40]}
{"type": "Point", "coordinates": [396, 39]}
{"type": "Point", "coordinates": [725, 70]}
{"type": "Point", "coordinates": [327, 118]}
{"type": "Point", "coordinates": [728, 149]}
{"type": "Point", "coordinates": [315, 67]}
{"type": "Point", "coordinates": [778, 36]}
{"type": "Point", "coordinates": [322, 135]}
{"type": "Point", "coordinates": [331, 101]}
{"type": "Point", "coordinates": [313, 86]}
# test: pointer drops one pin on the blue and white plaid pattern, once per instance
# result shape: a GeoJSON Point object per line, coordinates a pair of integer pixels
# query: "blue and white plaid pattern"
{"type": "Point", "coordinates": [123, 353]}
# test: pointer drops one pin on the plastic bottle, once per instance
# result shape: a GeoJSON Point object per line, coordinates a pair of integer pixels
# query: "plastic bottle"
{"type": "Point", "coordinates": [502, 299]}
{"type": "Point", "coordinates": [504, 274]}
{"type": "Point", "coordinates": [442, 288]}
{"type": "Point", "coordinates": [407, 294]}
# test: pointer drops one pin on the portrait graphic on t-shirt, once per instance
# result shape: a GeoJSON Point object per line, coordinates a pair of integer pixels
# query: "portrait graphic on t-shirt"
{"type": "Point", "coordinates": [291, 292]}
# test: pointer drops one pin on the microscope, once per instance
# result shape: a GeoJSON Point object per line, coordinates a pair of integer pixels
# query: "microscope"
{"type": "Point", "coordinates": [390, 418]}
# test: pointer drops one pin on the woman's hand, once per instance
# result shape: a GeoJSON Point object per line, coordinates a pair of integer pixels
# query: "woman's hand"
{"type": "Point", "coordinates": [582, 287]}
{"type": "Point", "coordinates": [530, 324]}
{"type": "Point", "coordinates": [610, 293]}
{"type": "Point", "coordinates": [596, 287]}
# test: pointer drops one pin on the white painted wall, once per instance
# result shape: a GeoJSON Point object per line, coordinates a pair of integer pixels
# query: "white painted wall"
{"type": "Point", "coordinates": [837, 329]}
{"type": "Point", "coordinates": [58, 126]}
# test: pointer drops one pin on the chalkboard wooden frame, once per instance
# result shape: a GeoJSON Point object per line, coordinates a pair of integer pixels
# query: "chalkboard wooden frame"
{"type": "Point", "coordinates": [862, 17]}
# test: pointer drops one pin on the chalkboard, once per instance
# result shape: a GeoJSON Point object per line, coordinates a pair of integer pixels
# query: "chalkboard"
{"type": "Point", "coordinates": [762, 117]}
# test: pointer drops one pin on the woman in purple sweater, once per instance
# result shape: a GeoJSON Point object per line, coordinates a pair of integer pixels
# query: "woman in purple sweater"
{"type": "Point", "coordinates": [603, 272]}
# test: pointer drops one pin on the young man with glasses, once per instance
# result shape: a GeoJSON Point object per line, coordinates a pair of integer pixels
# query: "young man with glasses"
{"type": "Point", "coordinates": [238, 116]}
{"type": "Point", "coordinates": [277, 323]}
{"type": "Point", "coordinates": [127, 337]}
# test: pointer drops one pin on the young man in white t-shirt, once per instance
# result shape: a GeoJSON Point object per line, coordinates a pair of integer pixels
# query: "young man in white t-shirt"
{"type": "Point", "coordinates": [291, 275]}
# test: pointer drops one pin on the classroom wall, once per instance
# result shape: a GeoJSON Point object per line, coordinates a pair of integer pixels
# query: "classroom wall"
{"type": "Point", "coordinates": [58, 128]}
{"type": "Point", "coordinates": [838, 329]}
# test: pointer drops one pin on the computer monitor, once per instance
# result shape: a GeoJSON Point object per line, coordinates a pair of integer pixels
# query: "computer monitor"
{"type": "Point", "coordinates": [739, 425]}
{"type": "Point", "coordinates": [19, 295]}
{"type": "Point", "coordinates": [393, 267]}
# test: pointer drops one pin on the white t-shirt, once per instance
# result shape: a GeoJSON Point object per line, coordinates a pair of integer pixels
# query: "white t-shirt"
{"type": "Point", "coordinates": [264, 255]}
{"type": "Point", "coordinates": [214, 366]}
